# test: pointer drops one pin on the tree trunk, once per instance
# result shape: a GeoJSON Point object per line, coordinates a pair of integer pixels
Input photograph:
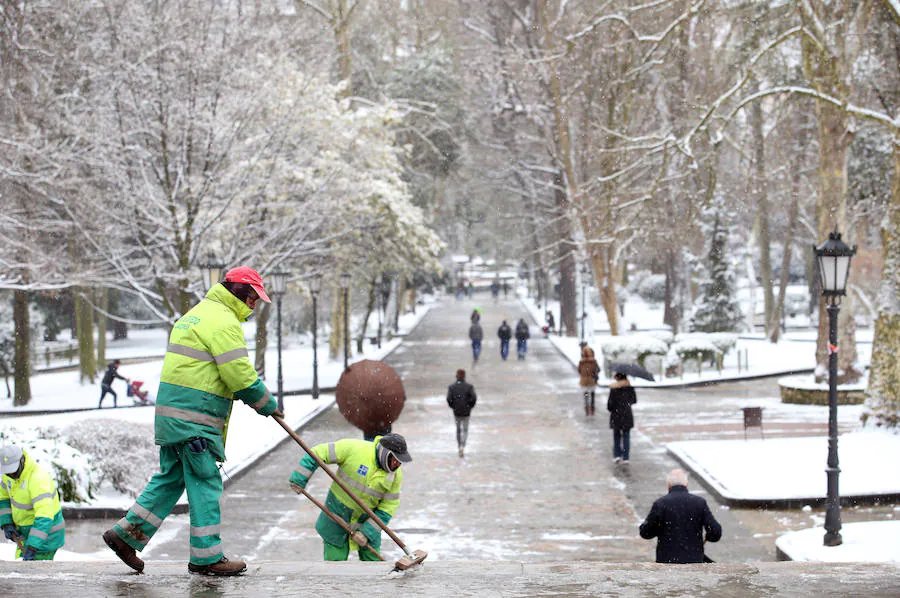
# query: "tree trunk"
{"type": "Point", "coordinates": [370, 307]}
{"type": "Point", "coordinates": [336, 340]}
{"type": "Point", "coordinates": [342, 36]}
{"type": "Point", "coordinates": [102, 295]}
{"type": "Point", "coordinates": [605, 274]}
{"type": "Point", "coordinates": [21, 361]}
{"type": "Point", "coordinates": [762, 213]}
{"type": "Point", "coordinates": [672, 308]}
{"type": "Point", "coordinates": [398, 299]}
{"type": "Point", "coordinates": [883, 393]}
{"type": "Point", "coordinates": [263, 312]}
{"type": "Point", "coordinates": [778, 312]}
{"type": "Point", "coordinates": [84, 316]}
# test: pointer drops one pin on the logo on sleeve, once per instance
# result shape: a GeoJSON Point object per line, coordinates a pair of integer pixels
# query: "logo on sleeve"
{"type": "Point", "coordinates": [363, 470]}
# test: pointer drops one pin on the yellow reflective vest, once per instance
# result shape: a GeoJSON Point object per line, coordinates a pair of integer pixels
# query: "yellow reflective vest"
{"type": "Point", "coordinates": [206, 367]}
{"type": "Point", "coordinates": [31, 503]}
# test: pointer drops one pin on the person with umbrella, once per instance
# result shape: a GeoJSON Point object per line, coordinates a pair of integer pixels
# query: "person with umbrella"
{"type": "Point", "coordinates": [621, 419]}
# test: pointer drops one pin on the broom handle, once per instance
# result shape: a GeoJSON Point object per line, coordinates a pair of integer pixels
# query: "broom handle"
{"type": "Point", "coordinates": [340, 483]}
{"type": "Point", "coordinates": [334, 517]}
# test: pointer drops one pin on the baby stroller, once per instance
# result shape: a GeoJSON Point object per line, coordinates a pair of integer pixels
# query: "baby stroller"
{"type": "Point", "coordinates": [138, 396]}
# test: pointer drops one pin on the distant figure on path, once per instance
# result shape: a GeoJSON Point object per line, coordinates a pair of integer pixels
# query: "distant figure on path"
{"type": "Point", "coordinates": [476, 335]}
{"type": "Point", "coordinates": [461, 398]}
{"type": "Point", "coordinates": [112, 372]}
{"type": "Point", "coordinates": [505, 289]}
{"type": "Point", "coordinates": [475, 317]}
{"type": "Point", "coordinates": [551, 322]}
{"type": "Point", "coordinates": [678, 521]}
{"type": "Point", "coordinates": [504, 333]}
{"type": "Point", "coordinates": [470, 289]}
{"type": "Point", "coordinates": [588, 371]}
{"type": "Point", "coordinates": [621, 419]}
{"type": "Point", "coordinates": [460, 289]}
{"type": "Point", "coordinates": [495, 290]}
{"type": "Point", "coordinates": [522, 335]}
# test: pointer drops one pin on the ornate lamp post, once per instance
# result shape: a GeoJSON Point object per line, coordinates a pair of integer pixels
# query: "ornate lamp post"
{"type": "Point", "coordinates": [833, 258]}
{"type": "Point", "coordinates": [315, 285]}
{"type": "Point", "coordinates": [212, 268]}
{"type": "Point", "coordinates": [278, 282]}
{"type": "Point", "coordinates": [345, 286]}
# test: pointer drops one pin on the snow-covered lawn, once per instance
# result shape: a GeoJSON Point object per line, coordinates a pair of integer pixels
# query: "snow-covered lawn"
{"type": "Point", "coordinates": [865, 542]}
{"type": "Point", "coordinates": [794, 468]}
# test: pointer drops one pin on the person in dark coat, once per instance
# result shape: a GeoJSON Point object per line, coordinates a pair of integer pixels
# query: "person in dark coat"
{"type": "Point", "coordinates": [461, 398]}
{"type": "Point", "coordinates": [504, 333]}
{"type": "Point", "coordinates": [475, 317]}
{"type": "Point", "coordinates": [522, 335]}
{"type": "Point", "coordinates": [112, 372]}
{"type": "Point", "coordinates": [476, 335]}
{"type": "Point", "coordinates": [678, 521]}
{"type": "Point", "coordinates": [621, 420]}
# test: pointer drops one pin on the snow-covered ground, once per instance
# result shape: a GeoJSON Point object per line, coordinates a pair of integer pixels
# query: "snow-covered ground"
{"type": "Point", "coordinates": [794, 468]}
{"type": "Point", "coordinates": [758, 357]}
{"type": "Point", "coordinates": [865, 542]}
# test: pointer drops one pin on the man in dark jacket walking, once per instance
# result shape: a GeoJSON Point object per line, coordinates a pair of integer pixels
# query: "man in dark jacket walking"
{"type": "Point", "coordinates": [522, 335]}
{"type": "Point", "coordinates": [476, 335]}
{"type": "Point", "coordinates": [461, 398]}
{"type": "Point", "coordinates": [505, 333]}
{"type": "Point", "coordinates": [111, 373]}
{"type": "Point", "coordinates": [678, 521]}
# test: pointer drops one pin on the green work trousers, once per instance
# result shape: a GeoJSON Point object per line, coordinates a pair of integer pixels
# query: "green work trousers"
{"type": "Point", "coordinates": [340, 553]}
{"type": "Point", "coordinates": [179, 469]}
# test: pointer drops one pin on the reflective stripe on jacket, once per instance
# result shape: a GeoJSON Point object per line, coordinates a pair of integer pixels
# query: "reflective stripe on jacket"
{"type": "Point", "coordinates": [206, 366]}
{"type": "Point", "coordinates": [31, 503]}
{"type": "Point", "coordinates": [358, 469]}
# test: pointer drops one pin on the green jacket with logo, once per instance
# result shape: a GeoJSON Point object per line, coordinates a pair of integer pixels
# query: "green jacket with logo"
{"type": "Point", "coordinates": [358, 469]}
{"type": "Point", "coordinates": [31, 503]}
{"type": "Point", "coordinates": [206, 367]}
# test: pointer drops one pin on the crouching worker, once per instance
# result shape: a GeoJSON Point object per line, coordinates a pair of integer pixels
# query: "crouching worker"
{"type": "Point", "coordinates": [30, 513]}
{"type": "Point", "coordinates": [372, 471]}
{"type": "Point", "coordinates": [205, 371]}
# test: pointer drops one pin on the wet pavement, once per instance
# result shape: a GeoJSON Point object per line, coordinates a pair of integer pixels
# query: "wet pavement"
{"type": "Point", "coordinates": [536, 507]}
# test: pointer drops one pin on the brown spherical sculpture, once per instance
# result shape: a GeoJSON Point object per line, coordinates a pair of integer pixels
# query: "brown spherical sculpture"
{"type": "Point", "coordinates": [370, 396]}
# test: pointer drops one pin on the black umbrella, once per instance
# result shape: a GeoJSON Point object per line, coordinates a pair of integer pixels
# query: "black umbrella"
{"type": "Point", "coordinates": [631, 369]}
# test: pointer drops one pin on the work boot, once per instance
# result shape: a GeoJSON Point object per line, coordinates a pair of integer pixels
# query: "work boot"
{"type": "Point", "coordinates": [223, 568]}
{"type": "Point", "coordinates": [460, 451]}
{"type": "Point", "coordinates": [125, 552]}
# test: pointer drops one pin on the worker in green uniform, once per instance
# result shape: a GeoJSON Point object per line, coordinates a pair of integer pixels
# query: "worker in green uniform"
{"type": "Point", "coordinates": [30, 513]}
{"type": "Point", "coordinates": [372, 471]}
{"type": "Point", "coordinates": [206, 367]}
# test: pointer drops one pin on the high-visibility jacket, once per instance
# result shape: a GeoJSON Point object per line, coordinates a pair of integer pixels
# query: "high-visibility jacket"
{"type": "Point", "coordinates": [358, 469]}
{"type": "Point", "coordinates": [206, 367]}
{"type": "Point", "coordinates": [31, 503]}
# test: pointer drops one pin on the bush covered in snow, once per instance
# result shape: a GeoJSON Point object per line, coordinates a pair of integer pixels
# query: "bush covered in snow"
{"type": "Point", "coordinates": [632, 347]}
{"type": "Point", "coordinates": [724, 342]}
{"type": "Point", "coordinates": [126, 455]}
{"type": "Point", "coordinates": [652, 288]}
{"type": "Point", "coordinates": [74, 471]}
{"type": "Point", "coordinates": [698, 349]}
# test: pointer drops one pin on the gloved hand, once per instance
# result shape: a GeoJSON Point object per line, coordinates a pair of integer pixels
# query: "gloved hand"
{"type": "Point", "coordinates": [10, 531]}
{"type": "Point", "coordinates": [298, 487]}
{"type": "Point", "coordinates": [29, 554]}
{"type": "Point", "coordinates": [198, 445]}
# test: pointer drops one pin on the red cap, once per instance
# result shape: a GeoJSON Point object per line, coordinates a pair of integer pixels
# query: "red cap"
{"type": "Point", "coordinates": [249, 276]}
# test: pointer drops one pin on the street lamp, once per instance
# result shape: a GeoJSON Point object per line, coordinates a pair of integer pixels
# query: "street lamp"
{"type": "Point", "coordinates": [833, 258]}
{"type": "Point", "coordinates": [345, 286]}
{"type": "Point", "coordinates": [212, 268]}
{"type": "Point", "coordinates": [315, 285]}
{"type": "Point", "coordinates": [278, 286]}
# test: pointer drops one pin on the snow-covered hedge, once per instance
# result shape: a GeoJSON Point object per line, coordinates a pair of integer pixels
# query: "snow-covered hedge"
{"type": "Point", "coordinates": [75, 473]}
{"type": "Point", "coordinates": [697, 349]}
{"type": "Point", "coordinates": [632, 347]}
{"type": "Point", "coordinates": [722, 341]}
{"type": "Point", "coordinates": [652, 288]}
{"type": "Point", "coordinates": [125, 454]}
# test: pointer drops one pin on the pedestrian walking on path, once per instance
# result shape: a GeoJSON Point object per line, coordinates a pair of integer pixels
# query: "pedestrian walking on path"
{"type": "Point", "coordinates": [370, 468]}
{"type": "Point", "coordinates": [522, 335]}
{"type": "Point", "coordinates": [678, 520]}
{"type": "Point", "coordinates": [112, 372]}
{"type": "Point", "coordinates": [476, 335]}
{"type": "Point", "coordinates": [621, 419]}
{"type": "Point", "coordinates": [461, 398]}
{"type": "Point", "coordinates": [30, 513]}
{"type": "Point", "coordinates": [206, 367]}
{"type": "Point", "coordinates": [588, 371]}
{"type": "Point", "coordinates": [504, 333]}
